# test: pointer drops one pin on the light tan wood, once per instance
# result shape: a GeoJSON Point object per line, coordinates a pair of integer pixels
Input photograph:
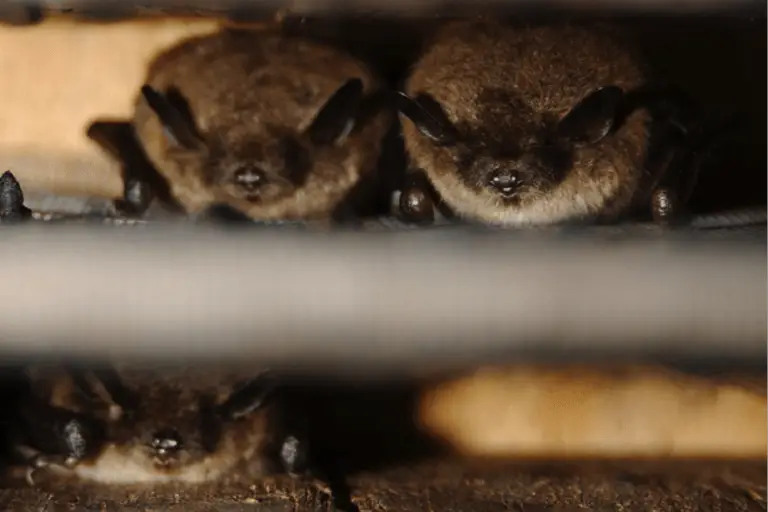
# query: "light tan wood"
{"type": "Point", "coordinates": [61, 75]}
{"type": "Point", "coordinates": [579, 412]}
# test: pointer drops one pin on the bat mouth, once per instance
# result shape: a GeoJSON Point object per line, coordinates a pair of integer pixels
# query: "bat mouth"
{"type": "Point", "coordinates": [511, 200]}
{"type": "Point", "coordinates": [165, 462]}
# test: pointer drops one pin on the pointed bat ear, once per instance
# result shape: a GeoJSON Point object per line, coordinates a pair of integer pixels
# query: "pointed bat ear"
{"type": "Point", "coordinates": [337, 117]}
{"type": "Point", "coordinates": [592, 118]}
{"type": "Point", "coordinates": [428, 117]}
{"type": "Point", "coordinates": [248, 397]}
{"type": "Point", "coordinates": [177, 127]}
{"type": "Point", "coordinates": [102, 387]}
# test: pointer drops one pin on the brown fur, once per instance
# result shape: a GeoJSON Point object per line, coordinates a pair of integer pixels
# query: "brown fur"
{"type": "Point", "coordinates": [167, 398]}
{"type": "Point", "coordinates": [245, 90]}
{"type": "Point", "coordinates": [498, 83]}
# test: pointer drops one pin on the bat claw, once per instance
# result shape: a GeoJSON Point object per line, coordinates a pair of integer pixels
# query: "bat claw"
{"type": "Point", "coordinates": [29, 476]}
{"type": "Point", "coordinates": [34, 464]}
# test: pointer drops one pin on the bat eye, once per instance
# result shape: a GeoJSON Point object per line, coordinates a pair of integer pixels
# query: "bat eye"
{"type": "Point", "coordinates": [249, 179]}
{"type": "Point", "coordinates": [416, 205]}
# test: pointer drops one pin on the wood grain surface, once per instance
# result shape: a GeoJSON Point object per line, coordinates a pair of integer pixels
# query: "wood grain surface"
{"type": "Point", "coordinates": [57, 78]}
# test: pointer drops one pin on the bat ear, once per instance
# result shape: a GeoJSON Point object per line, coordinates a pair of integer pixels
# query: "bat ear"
{"type": "Point", "coordinates": [102, 387]}
{"type": "Point", "coordinates": [337, 117]}
{"type": "Point", "coordinates": [172, 110]}
{"type": "Point", "coordinates": [112, 136]}
{"type": "Point", "coordinates": [248, 397]}
{"type": "Point", "coordinates": [592, 118]}
{"type": "Point", "coordinates": [428, 117]}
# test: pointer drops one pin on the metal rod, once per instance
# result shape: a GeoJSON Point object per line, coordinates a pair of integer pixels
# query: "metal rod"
{"type": "Point", "coordinates": [399, 300]}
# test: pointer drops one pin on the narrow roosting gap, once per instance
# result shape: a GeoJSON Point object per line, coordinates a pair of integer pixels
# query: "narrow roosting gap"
{"type": "Point", "coordinates": [397, 445]}
{"type": "Point", "coordinates": [712, 58]}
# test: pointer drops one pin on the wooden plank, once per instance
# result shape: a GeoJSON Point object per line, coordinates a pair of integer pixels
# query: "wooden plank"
{"type": "Point", "coordinates": [59, 76]}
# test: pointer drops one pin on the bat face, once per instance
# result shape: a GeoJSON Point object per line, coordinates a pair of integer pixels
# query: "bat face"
{"type": "Point", "coordinates": [276, 128]}
{"type": "Point", "coordinates": [521, 125]}
{"type": "Point", "coordinates": [156, 426]}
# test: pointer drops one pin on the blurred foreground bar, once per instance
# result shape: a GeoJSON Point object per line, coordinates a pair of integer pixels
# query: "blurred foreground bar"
{"type": "Point", "coordinates": [380, 301]}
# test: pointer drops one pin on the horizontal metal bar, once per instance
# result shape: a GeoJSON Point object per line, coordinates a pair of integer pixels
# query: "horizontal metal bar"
{"type": "Point", "coordinates": [365, 301]}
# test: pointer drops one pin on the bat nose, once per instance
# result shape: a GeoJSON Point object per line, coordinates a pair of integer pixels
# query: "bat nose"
{"type": "Point", "coordinates": [166, 442]}
{"type": "Point", "coordinates": [505, 182]}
